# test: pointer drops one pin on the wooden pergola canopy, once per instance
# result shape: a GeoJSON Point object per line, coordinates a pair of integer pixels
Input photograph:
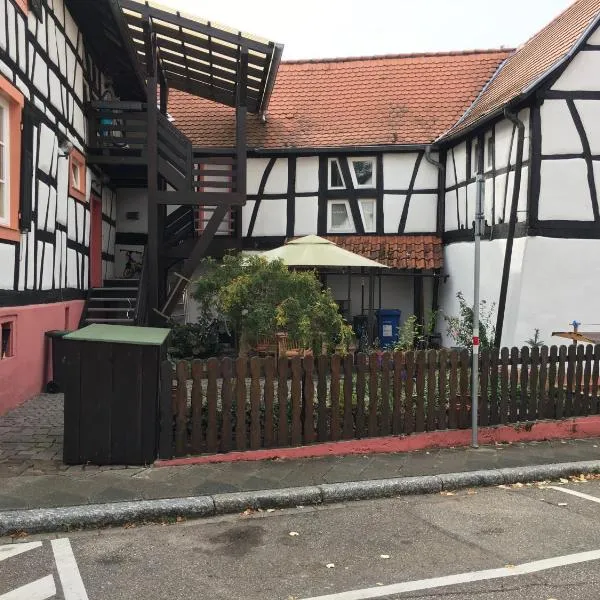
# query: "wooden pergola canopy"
{"type": "Point", "coordinates": [202, 58]}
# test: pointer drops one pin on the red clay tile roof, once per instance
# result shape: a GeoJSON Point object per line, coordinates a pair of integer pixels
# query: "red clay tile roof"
{"type": "Point", "coordinates": [422, 252]}
{"type": "Point", "coordinates": [531, 61]}
{"type": "Point", "coordinates": [405, 99]}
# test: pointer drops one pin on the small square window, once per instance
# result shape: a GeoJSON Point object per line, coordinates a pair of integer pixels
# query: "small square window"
{"type": "Point", "coordinates": [368, 209]}
{"type": "Point", "coordinates": [77, 178]}
{"type": "Point", "coordinates": [363, 172]}
{"type": "Point", "coordinates": [339, 217]}
{"type": "Point", "coordinates": [336, 180]}
{"type": "Point", "coordinates": [6, 340]}
{"type": "Point", "coordinates": [490, 152]}
{"type": "Point", "coordinates": [474, 158]}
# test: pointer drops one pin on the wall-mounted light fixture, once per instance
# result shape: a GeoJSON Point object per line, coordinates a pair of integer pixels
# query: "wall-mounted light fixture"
{"type": "Point", "coordinates": [64, 146]}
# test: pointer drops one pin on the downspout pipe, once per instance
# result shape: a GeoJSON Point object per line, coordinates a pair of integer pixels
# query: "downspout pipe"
{"type": "Point", "coordinates": [513, 118]}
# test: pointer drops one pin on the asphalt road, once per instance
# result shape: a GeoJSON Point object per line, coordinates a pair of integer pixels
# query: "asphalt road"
{"type": "Point", "coordinates": [486, 543]}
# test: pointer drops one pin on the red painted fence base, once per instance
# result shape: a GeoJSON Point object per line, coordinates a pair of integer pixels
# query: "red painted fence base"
{"type": "Point", "coordinates": [576, 428]}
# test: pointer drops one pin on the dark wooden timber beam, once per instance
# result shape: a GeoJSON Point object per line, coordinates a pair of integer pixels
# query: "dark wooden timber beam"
{"type": "Point", "coordinates": [241, 112]}
{"type": "Point", "coordinates": [190, 265]}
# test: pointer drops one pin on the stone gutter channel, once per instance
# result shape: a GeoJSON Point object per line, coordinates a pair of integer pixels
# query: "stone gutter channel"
{"type": "Point", "coordinates": [46, 520]}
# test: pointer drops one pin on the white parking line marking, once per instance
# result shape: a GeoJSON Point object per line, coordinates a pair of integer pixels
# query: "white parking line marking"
{"type": "Point", "coordinates": [16, 549]}
{"type": "Point", "coordinates": [437, 582]}
{"type": "Point", "coordinates": [574, 493]}
{"type": "Point", "coordinates": [42, 589]}
{"type": "Point", "coordinates": [68, 571]}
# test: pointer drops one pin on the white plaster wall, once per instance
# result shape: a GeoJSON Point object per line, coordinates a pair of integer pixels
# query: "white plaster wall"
{"type": "Point", "coordinates": [564, 191]}
{"type": "Point", "coordinates": [271, 218]}
{"type": "Point", "coordinates": [393, 205]}
{"type": "Point", "coordinates": [582, 74]}
{"type": "Point", "coordinates": [559, 134]}
{"type": "Point", "coordinates": [7, 272]}
{"type": "Point", "coordinates": [427, 176]}
{"type": "Point", "coordinates": [132, 200]}
{"type": "Point", "coordinates": [422, 214]}
{"type": "Point", "coordinates": [589, 111]}
{"type": "Point", "coordinates": [458, 261]}
{"type": "Point", "coordinates": [254, 172]}
{"type": "Point", "coordinates": [307, 174]}
{"type": "Point", "coordinates": [45, 254]}
{"type": "Point", "coordinates": [398, 170]}
{"type": "Point", "coordinates": [547, 300]}
{"type": "Point", "coordinates": [307, 210]}
{"type": "Point", "coordinates": [277, 181]}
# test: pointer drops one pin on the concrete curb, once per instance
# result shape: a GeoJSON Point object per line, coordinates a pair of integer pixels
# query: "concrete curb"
{"type": "Point", "coordinates": [45, 520]}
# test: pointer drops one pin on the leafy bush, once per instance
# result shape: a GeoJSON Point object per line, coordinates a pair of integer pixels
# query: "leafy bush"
{"type": "Point", "coordinates": [460, 328]}
{"type": "Point", "coordinates": [196, 340]}
{"type": "Point", "coordinates": [258, 298]}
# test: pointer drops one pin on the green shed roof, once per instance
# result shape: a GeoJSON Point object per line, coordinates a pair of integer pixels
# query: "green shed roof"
{"type": "Point", "coordinates": [120, 334]}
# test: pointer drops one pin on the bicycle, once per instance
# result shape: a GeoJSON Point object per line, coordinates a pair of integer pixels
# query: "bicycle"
{"type": "Point", "coordinates": [133, 266]}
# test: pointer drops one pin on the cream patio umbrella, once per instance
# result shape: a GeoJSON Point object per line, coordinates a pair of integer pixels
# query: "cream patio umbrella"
{"type": "Point", "coordinates": [315, 251]}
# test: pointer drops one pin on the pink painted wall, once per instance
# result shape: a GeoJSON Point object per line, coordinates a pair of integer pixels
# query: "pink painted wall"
{"type": "Point", "coordinates": [25, 374]}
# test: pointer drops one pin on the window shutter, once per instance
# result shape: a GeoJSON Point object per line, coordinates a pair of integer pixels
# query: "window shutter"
{"type": "Point", "coordinates": [26, 207]}
{"type": "Point", "coordinates": [37, 9]}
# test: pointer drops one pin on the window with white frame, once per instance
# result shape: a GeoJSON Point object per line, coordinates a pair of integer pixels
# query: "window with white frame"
{"type": "Point", "coordinates": [368, 208]}
{"type": "Point", "coordinates": [490, 152]}
{"type": "Point", "coordinates": [474, 158]}
{"type": "Point", "coordinates": [4, 163]}
{"type": "Point", "coordinates": [339, 219]}
{"type": "Point", "coordinates": [362, 171]}
{"type": "Point", "coordinates": [336, 179]}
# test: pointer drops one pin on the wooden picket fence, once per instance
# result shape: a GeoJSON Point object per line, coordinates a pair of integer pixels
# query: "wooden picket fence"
{"type": "Point", "coordinates": [301, 401]}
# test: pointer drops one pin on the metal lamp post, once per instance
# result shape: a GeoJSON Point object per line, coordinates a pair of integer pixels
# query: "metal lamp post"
{"type": "Point", "coordinates": [478, 226]}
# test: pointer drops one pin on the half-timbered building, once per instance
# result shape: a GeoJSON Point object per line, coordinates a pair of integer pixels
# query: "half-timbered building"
{"type": "Point", "coordinates": [135, 140]}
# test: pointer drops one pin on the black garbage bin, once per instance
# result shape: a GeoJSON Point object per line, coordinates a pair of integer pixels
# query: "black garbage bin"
{"type": "Point", "coordinates": [111, 380]}
{"type": "Point", "coordinates": [55, 343]}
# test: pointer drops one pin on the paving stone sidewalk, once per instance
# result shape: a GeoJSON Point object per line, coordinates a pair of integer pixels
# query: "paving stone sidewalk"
{"type": "Point", "coordinates": [33, 476]}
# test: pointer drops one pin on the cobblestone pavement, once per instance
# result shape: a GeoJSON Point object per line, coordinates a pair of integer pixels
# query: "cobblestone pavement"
{"type": "Point", "coordinates": [31, 435]}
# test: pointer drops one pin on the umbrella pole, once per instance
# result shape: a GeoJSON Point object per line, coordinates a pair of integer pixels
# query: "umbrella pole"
{"type": "Point", "coordinates": [371, 302]}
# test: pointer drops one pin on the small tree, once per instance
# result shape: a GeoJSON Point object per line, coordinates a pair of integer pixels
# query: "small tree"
{"type": "Point", "coordinates": [258, 298]}
{"type": "Point", "coordinates": [535, 341]}
{"type": "Point", "coordinates": [460, 328]}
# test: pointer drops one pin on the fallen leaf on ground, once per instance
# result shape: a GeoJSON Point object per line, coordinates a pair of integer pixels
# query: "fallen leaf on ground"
{"type": "Point", "coordinates": [248, 511]}
{"type": "Point", "coordinates": [448, 493]}
{"type": "Point", "coordinates": [504, 487]}
{"type": "Point", "coordinates": [269, 510]}
{"type": "Point", "coordinates": [180, 519]}
{"type": "Point", "coordinates": [517, 485]}
{"type": "Point", "coordinates": [563, 480]}
{"type": "Point", "coordinates": [19, 535]}
{"type": "Point", "coordinates": [385, 556]}
{"type": "Point", "coordinates": [509, 566]}
{"type": "Point", "coordinates": [562, 504]}
{"type": "Point", "coordinates": [471, 492]}
{"type": "Point", "coordinates": [129, 526]}
{"type": "Point", "coordinates": [293, 533]}
{"type": "Point", "coordinates": [330, 565]}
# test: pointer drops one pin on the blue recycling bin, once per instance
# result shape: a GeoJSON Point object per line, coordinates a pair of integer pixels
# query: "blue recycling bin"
{"type": "Point", "coordinates": [388, 324]}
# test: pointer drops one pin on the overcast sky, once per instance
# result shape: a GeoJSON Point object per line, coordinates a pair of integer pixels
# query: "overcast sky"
{"type": "Point", "coordinates": [330, 28]}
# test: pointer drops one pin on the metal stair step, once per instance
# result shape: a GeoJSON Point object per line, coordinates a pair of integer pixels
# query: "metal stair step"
{"type": "Point", "coordinates": [110, 309]}
{"type": "Point", "coordinates": [115, 289]}
{"type": "Point", "coordinates": [109, 321]}
{"type": "Point", "coordinates": [112, 299]}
